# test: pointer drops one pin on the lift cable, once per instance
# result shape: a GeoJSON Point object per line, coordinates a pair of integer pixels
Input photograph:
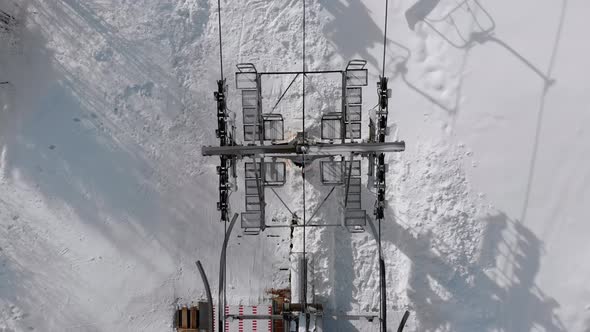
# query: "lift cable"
{"type": "Point", "coordinates": [223, 110]}
{"type": "Point", "coordinates": [220, 44]}
{"type": "Point", "coordinates": [303, 170]}
{"type": "Point", "coordinates": [381, 180]}
{"type": "Point", "coordinates": [385, 37]}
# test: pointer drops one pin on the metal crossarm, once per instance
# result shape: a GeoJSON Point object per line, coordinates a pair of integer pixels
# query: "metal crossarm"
{"type": "Point", "coordinates": [290, 150]}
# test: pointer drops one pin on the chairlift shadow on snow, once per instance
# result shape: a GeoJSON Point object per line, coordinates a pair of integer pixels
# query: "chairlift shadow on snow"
{"type": "Point", "coordinates": [399, 60]}
{"type": "Point", "coordinates": [498, 293]}
{"type": "Point", "coordinates": [352, 31]}
{"type": "Point", "coordinates": [463, 26]}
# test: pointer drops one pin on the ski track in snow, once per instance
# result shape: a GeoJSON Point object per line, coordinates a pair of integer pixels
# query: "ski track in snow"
{"type": "Point", "coordinates": [106, 202]}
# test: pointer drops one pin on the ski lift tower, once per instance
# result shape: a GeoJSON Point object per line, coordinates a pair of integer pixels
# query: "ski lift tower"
{"type": "Point", "coordinates": [338, 151]}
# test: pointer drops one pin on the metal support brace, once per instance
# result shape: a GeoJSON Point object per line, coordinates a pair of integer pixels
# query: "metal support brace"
{"type": "Point", "coordinates": [208, 291]}
{"type": "Point", "coordinates": [222, 274]}
{"type": "Point", "coordinates": [402, 324]}
{"type": "Point", "coordinates": [260, 187]}
{"type": "Point", "coordinates": [343, 117]}
{"type": "Point", "coordinates": [348, 174]}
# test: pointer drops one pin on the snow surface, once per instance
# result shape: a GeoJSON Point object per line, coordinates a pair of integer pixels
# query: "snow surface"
{"type": "Point", "coordinates": [106, 202]}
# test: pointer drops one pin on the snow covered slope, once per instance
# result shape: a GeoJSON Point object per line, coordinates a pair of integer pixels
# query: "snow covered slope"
{"type": "Point", "coordinates": [105, 201]}
{"type": "Point", "coordinates": [526, 155]}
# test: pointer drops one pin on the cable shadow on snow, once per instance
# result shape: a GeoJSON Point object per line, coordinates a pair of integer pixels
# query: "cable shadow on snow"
{"type": "Point", "coordinates": [541, 112]}
{"type": "Point", "coordinates": [486, 297]}
{"type": "Point", "coordinates": [132, 59]}
{"type": "Point", "coordinates": [154, 83]}
{"type": "Point", "coordinates": [138, 61]}
{"type": "Point", "coordinates": [146, 78]}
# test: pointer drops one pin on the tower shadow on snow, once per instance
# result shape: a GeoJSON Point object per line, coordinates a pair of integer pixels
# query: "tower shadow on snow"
{"type": "Point", "coordinates": [343, 283]}
{"type": "Point", "coordinates": [341, 300]}
{"type": "Point", "coordinates": [541, 112]}
{"type": "Point", "coordinates": [510, 301]}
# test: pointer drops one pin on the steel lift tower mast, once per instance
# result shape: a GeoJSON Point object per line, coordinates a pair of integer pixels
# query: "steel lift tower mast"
{"type": "Point", "coordinates": [338, 153]}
